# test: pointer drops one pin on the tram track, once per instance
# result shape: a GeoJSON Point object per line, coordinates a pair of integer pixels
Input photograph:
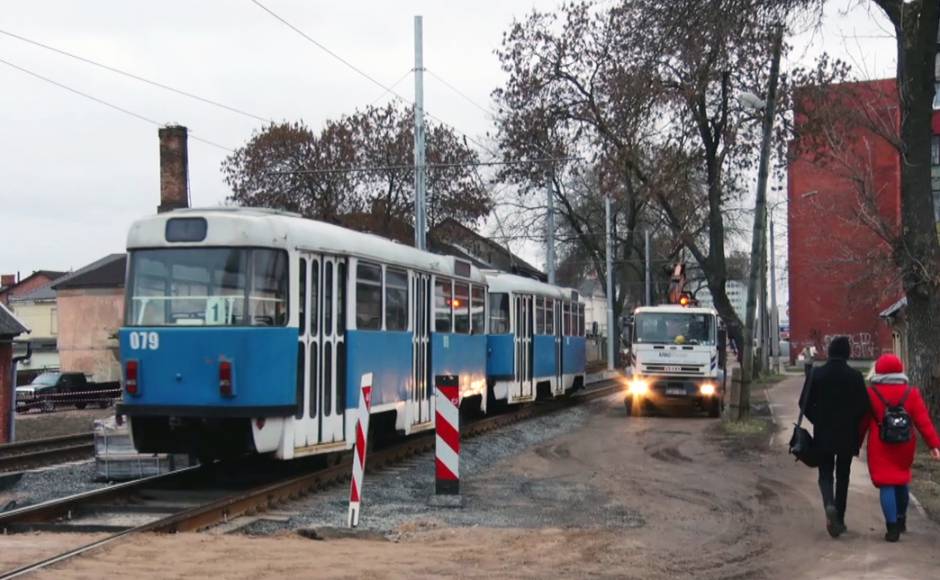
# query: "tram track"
{"type": "Point", "coordinates": [24, 455]}
{"type": "Point", "coordinates": [192, 500]}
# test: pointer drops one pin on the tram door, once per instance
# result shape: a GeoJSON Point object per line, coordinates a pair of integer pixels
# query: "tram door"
{"type": "Point", "coordinates": [523, 385]}
{"type": "Point", "coordinates": [421, 348]}
{"type": "Point", "coordinates": [559, 350]}
{"type": "Point", "coordinates": [321, 361]}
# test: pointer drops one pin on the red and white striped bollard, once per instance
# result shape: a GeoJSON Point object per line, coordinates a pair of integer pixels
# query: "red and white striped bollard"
{"type": "Point", "coordinates": [359, 451]}
{"type": "Point", "coordinates": [447, 429]}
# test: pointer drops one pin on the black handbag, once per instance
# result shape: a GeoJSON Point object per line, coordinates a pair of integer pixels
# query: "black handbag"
{"type": "Point", "coordinates": [801, 442]}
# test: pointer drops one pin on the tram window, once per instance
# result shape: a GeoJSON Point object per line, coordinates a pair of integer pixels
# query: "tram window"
{"type": "Point", "coordinates": [478, 309]}
{"type": "Point", "coordinates": [328, 300]}
{"type": "Point", "coordinates": [443, 293]}
{"type": "Point", "coordinates": [340, 377]}
{"type": "Point", "coordinates": [581, 319]}
{"type": "Point", "coordinates": [549, 316]}
{"type": "Point", "coordinates": [301, 374]}
{"type": "Point", "coordinates": [302, 295]}
{"type": "Point", "coordinates": [208, 286]}
{"type": "Point", "coordinates": [396, 299]}
{"type": "Point", "coordinates": [368, 296]}
{"type": "Point", "coordinates": [539, 315]}
{"type": "Point", "coordinates": [566, 316]}
{"type": "Point", "coordinates": [328, 379]}
{"type": "Point", "coordinates": [314, 297]}
{"type": "Point", "coordinates": [461, 305]}
{"type": "Point", "coordinates": [499, 313]}
{"type": "Point", "coordinates": [268, 303]}
{"type": "Point", "coordinates": [314, 375]}
{"type": "Point", "coordinates": [341, 299]}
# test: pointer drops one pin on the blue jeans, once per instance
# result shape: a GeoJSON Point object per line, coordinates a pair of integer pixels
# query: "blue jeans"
{"type": "Point", "coordinates": [894, 500]}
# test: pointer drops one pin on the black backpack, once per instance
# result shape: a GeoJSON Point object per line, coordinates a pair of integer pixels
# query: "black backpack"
{"type": "Point", "coordinates": [895, 427]}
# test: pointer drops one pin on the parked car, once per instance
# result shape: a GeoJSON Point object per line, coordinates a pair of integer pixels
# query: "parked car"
{"type": "Point", "coordinates": [57, 389]}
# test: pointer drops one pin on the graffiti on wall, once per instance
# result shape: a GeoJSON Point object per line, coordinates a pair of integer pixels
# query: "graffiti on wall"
{"type": "Point", "coordinates": [863, 347]}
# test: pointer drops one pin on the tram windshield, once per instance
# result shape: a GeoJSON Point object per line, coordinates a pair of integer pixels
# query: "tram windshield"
{"type": "Point", "coordinates": [674, 328]}
{"type": "Point", "coordinates": [207, 287]}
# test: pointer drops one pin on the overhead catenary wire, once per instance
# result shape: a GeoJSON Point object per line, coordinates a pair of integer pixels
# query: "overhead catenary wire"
{"type": "Point", "coordinates": [100, 101]}
{"type": "Point", "coordinates": [138, 77]}
{"type": "Point", "coordinates": [404, 167]}
{"type": "Point", "coordinates": [365, 75]}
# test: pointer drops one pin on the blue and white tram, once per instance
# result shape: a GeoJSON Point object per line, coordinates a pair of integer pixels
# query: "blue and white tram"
{"type": "Point", "coordinates": [248, 330]}
{"type": "Point", "coordinates": [536, 344]}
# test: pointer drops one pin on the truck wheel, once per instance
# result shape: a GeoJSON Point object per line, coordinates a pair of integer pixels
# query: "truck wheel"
{"type": "Point", "coordinates": [714, 409]}
{"type": "Point", "coordinates": [629, 407]}
{"type": "Point", "coordinates": [79, 406]}
{"type": "Point", "coordinates": [47, 407]}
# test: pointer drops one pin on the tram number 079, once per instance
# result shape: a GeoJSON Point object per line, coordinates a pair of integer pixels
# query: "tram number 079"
{"type": "Point", "coordinates": [144, 340]}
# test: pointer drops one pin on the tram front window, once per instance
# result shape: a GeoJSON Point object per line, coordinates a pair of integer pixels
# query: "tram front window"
{"type": "Point", "coordinates": [207, 287]}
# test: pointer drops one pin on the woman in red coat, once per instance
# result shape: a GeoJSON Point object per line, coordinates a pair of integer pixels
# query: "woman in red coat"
{"type": "Point", "coordinates": [890, 463]}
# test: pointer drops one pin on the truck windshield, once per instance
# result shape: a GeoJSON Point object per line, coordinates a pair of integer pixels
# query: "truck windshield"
{"type": "Point", "coordinates": [674, 328]}
{"type": "Point", "coordinates": [46, 379]}
{"type": "Point", "coordinates": [207, 286]}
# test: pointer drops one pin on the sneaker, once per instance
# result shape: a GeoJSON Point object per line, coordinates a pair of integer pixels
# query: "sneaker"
{"type": "Point", "coordinates": [902, 524]}
{"type": "Point", "coordinates": [893, 534]}
{"type": "Point", "coordinates": [833, 525]}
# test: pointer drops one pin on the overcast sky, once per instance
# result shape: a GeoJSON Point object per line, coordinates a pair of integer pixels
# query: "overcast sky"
{"type": "Point", "coordinates": [74, 173]}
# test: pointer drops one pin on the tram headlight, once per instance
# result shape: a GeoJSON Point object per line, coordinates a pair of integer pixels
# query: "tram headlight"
{"type": "Point", "coordinates": [707, 389]}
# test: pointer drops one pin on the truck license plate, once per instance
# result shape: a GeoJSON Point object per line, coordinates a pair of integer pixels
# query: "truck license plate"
{"type": "Point", "coordinates": [675, 391]}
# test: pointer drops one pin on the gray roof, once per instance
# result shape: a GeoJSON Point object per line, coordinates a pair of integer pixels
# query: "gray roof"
{"type": "Point", "coordinates": [10, 325]}
{"type": "Point", "coordinates": [42, 293]}
{"type": "Point", "coordinates": [108, 272]}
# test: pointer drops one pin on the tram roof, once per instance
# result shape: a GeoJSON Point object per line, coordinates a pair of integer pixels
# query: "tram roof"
{"type": "Point", "coordinates": [503, 282]}
{"type": "Point", "coordinates": [260, 227]}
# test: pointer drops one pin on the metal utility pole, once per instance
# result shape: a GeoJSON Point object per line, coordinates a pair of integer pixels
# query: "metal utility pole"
{"type": "Point", "coordinates": [649, 279]}
{"type": "Point", "coordinates": [610, 287]}
{"type": "Point", "coordinates": [550, 234]}
{"type": "Point", "coordinates": [758, 240]}
{"type": "Point", "coordinates": [774, 313]}
{"type": "Point", "coordinates": [420, 166]}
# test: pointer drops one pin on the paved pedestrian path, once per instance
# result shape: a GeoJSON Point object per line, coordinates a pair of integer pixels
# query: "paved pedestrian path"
{"type": "Point", "coordinates": [862, 552]}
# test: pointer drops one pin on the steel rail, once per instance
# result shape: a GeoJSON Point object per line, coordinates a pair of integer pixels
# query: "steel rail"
{"type": "Point", "coordinates": [50, 450]}
{"type": "Point", "coordinates": [266, 496]}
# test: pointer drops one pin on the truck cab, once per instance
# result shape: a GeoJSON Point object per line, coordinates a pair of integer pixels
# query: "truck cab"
{"type": "Point", "coordinates": [676, 355]}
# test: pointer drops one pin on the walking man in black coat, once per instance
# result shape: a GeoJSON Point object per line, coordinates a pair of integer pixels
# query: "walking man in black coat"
{"type": "Point", "coordinates": [836, 403]}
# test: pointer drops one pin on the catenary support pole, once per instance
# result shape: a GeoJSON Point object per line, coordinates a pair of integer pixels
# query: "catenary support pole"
{"type": "Point", "coordinates": [649, 279]}
{"type": "Point", "coordinates": [610, 287]}
{"type": "Point", "coordinates": [550, 231]}
{"type": "Point", "coordinates": [774, 312]}
{"type": "Point", "coordinates": [758, 240]}
{"type": "Point", "coordinates": [420, 165]}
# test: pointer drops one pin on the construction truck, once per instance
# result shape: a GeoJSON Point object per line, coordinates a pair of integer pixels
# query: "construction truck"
{"type": "Point", "coordinates": [676, 354]}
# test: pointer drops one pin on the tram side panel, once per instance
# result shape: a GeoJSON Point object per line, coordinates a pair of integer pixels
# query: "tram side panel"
{"type": "Point", "coordinates": [574, 360]}
{"type": "Point", "coordinates": [463, 355]}
{"type": "Point", "coordinates": [388, 356]}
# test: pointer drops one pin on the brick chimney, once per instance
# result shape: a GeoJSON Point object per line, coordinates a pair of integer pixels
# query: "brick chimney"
{"type": "Point", "coordinates": [7, 280]}
{"type": "Point", "coordinates": [174, 169]}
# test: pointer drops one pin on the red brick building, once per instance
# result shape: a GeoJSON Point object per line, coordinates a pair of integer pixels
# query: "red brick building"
{"type": "Point", "coordinates": [839, 278]}
{"type": "Point", "coordinates": [844, 200]}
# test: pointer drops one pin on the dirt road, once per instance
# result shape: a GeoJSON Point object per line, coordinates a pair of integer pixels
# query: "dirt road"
{"type": "Point", "coordinates": [672, 501]}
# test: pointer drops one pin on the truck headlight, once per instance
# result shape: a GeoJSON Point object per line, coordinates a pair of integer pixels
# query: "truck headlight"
{"type": "Point", "coordinates": [707, 389]}
{"type": "Point", "coordinates": [638, 387]}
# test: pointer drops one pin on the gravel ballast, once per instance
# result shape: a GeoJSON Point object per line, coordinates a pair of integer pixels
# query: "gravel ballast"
{"type": "Point", "coordinates": [396, 499]}
{"type": "Point", "coordinates": [50, 483]}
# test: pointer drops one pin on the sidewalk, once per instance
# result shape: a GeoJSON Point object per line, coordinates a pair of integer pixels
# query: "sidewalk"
{"type": "Point", "coordinates": [862, 552]}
